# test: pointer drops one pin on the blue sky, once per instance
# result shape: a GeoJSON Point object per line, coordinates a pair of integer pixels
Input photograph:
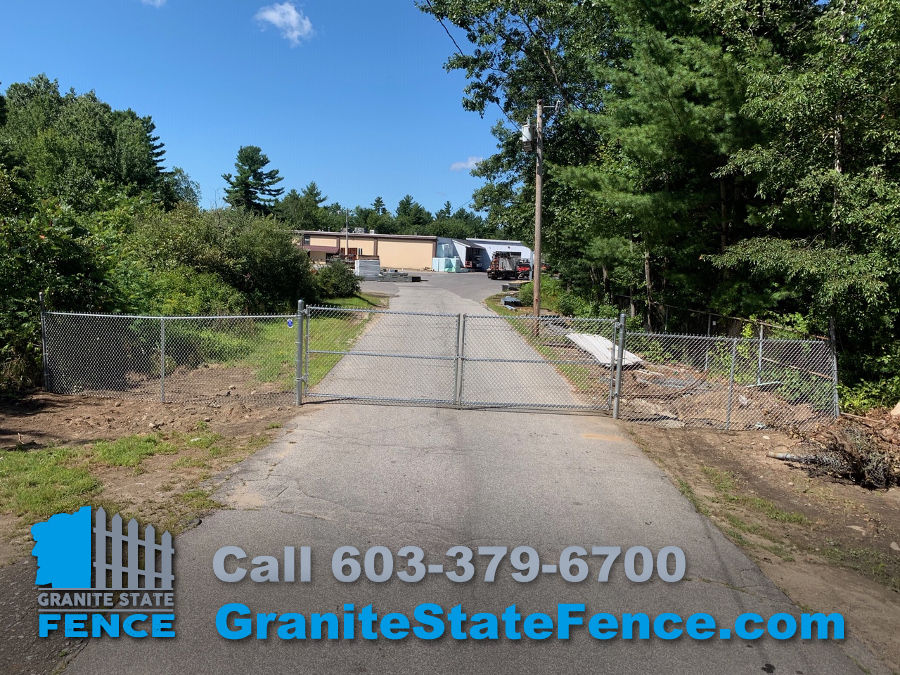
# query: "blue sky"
{"type": "Point", "coordinates": [349, 93]}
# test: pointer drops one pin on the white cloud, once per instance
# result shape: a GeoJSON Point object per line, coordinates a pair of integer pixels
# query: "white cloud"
{"type": "Point", "coordinates": [469, 164]}
{"type": "Point", "coordinates": [292, 23]}
{"type": "Point", "coordinates": [154, 3]}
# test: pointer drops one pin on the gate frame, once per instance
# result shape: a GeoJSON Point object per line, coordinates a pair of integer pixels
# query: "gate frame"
{"type": "Point", "coordinates": [304, 314]}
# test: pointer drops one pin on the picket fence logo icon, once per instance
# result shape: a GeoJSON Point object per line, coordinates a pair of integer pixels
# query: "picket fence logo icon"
{"type": "Point", "coordinates": [112, 579]}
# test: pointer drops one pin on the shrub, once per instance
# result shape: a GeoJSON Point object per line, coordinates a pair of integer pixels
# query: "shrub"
{"type": "Point", "coordinates": [865, 395]}
{"type": "Point", "coordinates": [571, 305]}
{"type": "Point", "coordinates": [336, 280]}
{"type": "Point", "coordinates": [185, 292]}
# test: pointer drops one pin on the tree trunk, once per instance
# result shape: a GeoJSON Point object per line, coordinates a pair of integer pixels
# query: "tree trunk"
{"type": "Point", "coordinates": [607, 290]}
{"type": "Point", "coordinates": [649, 287]}
{"type": "Point", "coordinates": [724, 207]}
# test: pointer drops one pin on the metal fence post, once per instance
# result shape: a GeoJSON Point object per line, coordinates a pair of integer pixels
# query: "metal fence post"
{"type": "Point", "coordinates": [300, 369]}
{"type": "Point", "coordinates": [460, 354]}
{"type": "Point", "coordinates": [44, 345]}
{"type": "Point", "coordinates": [834, 368]}
{"type": "Point", "coordinates": [612, 365]}
{"type": "Point", "coordinates": [734, 342]}
{"type": "Point", "coordinates": [307, 320]}
{"type": "Point", "coordinates": [708, 334]}
{"type": "Point", "coordinates": [760, 360]}
{"type": "Point", "coordinates": [162, 359]}
{"type": "Point", "coordinates": [619, 360]}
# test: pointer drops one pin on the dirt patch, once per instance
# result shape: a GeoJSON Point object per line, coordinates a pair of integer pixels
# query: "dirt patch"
{"type": "Point", "coordinates": [47, 420]}
{"type": "Point", "coordinates": [168, 490]}
{"type": "Point", "coordinates": [206, 384]}
{"type": "Point", "coordinates": [209, 436]}
{"type": "Point", "coordinates": [830, 545]}
{"type": "Point", "coordinates": [679, 397]}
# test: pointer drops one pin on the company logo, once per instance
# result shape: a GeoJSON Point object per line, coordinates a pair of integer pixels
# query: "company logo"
{"type": "Point", "coordinates": [103, 581]}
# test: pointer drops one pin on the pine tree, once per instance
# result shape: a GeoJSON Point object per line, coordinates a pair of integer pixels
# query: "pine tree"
{"type": "Point", "coordinates": [252, 187]}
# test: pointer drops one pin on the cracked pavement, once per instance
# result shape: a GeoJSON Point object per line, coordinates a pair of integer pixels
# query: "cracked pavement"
{"type": "Point", "coordinates": [366, 475]}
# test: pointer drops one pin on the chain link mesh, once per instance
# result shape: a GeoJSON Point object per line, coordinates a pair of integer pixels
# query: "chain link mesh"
{"type": "Point", "coordinates": [521, 361]}
{"type": "Point", "coordinates": [445, 359]}
{"type": "Point", "coordinates": [727, 383]}
{"type": "Point", "coordinates": [380, 355]}
{"type": "Point", "coordinates": [172, 358]}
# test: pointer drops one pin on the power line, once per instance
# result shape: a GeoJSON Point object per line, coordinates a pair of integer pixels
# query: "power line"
{"type": "Point", "coordinates": [462, 53]}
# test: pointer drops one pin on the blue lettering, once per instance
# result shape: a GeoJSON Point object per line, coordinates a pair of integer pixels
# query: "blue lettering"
{"type": "Point", "coordinates": [822, 622]}
{"type": "Point", "coordinates": [75, 625]}
{"type": "Point", "coordinates": [659, 626]}
{"type": "Point", "coordinates": [45, 625]}
{"type": "Point", "coordinates": [243, 627]}
{"type": "Point", "coordinates": [603, 626]}
{"type": "Point", "coordinates": [740, 626]}
{"type": "Point", "coordinates": [394, 626]}
{"type": "Point", "coordinates": [161, 625]}
{"type": "Point", "coordinates": [790, 626]}
{"type": "Point", "coordinates": [427, 614]}
{"type": "Point", "coordinates": [538, 626]}
{"type": "Point", "coordinates": [564, 619]}
{"type": "Point", "coordinates": [128, 625]}
{"type": "Point", "coordinates": [701, 626]}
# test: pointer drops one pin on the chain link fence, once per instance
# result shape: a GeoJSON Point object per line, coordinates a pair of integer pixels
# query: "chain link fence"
{"type": "Point", "coordinates": [171, 358]}
{"type": "Point", "coordinates": [482, 361]}
{"type": "Point", "coordinates": [728, 383]}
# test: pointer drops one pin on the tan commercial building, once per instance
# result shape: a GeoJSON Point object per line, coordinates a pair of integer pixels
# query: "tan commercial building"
{"type": "Point", "coordinates": [394, 251]}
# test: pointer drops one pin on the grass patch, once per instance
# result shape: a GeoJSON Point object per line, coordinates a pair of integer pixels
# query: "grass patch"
{"type": "Point", "coordinates": [337, 332]}
{"type": "Point", "coordinates": [725, 485]}
{"type": "Point", "coordinates": [773, 512]}
{"type": "Point", "coordinates": [688, 492]}
{"type": "Point", "coordinates": [271, 352]}
{"type": "Point", "coordinates": [739, 524]}
{"type": "Point", "coordinates": [131, 450]}
{"type": "Point", "coordinates": [358, 301]}
{"type": "Point", "coordinates": [190, 462]}
{"type": "Point", "coordinates": [198, 500]}
{"type": "Point", "coordinates": [495, 302]}
{"type": "Point", "coordinates": [867, 561]}
{"type": "Point", "coordinates": [722, 481]}
{"type": "Point", "coordinates": [41, 483]}
{"type": "Point", "coordinates": [738, 537]}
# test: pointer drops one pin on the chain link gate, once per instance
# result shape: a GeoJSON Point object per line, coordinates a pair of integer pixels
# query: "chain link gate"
{"type": "Point", "coordinates": [521, 361]}
{"type": "Point", "coordinates": [457, 360]}
{"type": "Point", "coordinates": [381, 355]}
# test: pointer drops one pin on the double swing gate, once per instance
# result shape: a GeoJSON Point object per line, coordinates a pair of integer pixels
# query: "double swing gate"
{"type": "Point", "coordinates": [467, 361]}
{"type": "Point", "coordinates": [454, 360]}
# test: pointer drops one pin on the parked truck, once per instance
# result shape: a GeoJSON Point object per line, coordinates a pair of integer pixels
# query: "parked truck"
{"type": "Point", "coordinates": [504, 265]}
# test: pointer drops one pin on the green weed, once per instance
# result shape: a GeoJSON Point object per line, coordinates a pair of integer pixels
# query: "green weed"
{"type": "Point", "coordinates": [132, 450]}
{"type": "Point", "coordinates": [39, 483]}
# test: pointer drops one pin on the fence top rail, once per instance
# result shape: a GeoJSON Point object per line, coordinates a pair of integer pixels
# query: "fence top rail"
{"type": "Point", "coordinates": [360, 310]}
{"type": "Point", "coordinates": [157, 317]}
{"type": "Point", "coordinates": [545, 319]}
{"type": "Point", "coordinates": [722, 338]}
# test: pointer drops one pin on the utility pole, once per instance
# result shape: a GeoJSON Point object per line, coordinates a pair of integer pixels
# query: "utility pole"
{"type": "Point", "coordinates": [538, 189]}
{"type": "Point", "coordinates": [347, 233]}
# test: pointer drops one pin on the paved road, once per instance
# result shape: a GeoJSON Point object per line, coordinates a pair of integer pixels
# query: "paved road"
{"type": "Point", "coordinates": [365, 475]}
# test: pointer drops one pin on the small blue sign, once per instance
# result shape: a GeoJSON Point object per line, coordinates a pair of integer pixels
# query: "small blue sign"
{"type": "Point", "coordinates": [290, 323]}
